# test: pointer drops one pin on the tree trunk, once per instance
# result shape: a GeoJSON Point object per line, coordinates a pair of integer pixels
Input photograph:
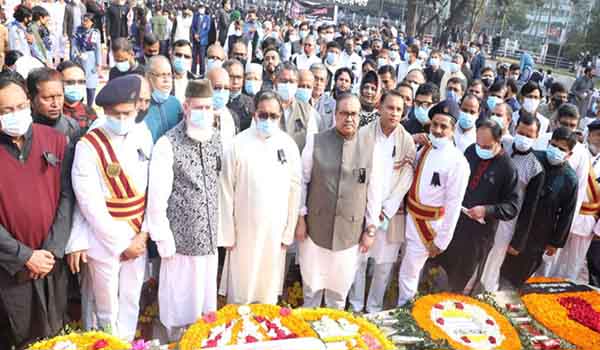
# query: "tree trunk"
{"type": "Point", "coordinates": [411, 17]}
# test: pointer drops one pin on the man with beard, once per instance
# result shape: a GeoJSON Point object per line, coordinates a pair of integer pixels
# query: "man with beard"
{"type": "Point", "coordinates": [492, 196]}
{"type": "Point", "coordinates": [270, 63]}
{"type": "Point", "coordinates": [558, 96]}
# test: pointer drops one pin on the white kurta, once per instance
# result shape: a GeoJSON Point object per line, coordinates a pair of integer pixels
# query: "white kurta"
{"type": "Point", "coordinates": [260, 196]}
{"type": "Point", "coordinates": [117, 301]}
{"type": "Point", "coordinates": [304, 62]}
{"type": "Point", "coordinates": [324, 268]}
{"type": "Point", "coordinates": [188, 284]}
{"type": "Point", "coordinates": [453, 170]}
{"type": "Point", "coordinates": [464, 139]}
{"type": "Point", "coordinates": [180, 84]}
{"type": "Point", "coordinates": [226, 126]}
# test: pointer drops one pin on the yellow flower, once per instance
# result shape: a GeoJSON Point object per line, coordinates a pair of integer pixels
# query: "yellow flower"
{"type": "Point", "coordinates": [83, 341]}
{"type": "Point", "coordinates": [422, 314]}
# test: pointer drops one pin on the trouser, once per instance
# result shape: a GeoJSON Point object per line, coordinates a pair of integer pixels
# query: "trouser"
{"type": "Point", "coordinates": [410, 270]}
{"type": "Point", "coordinates": [88, 304]}
{"type": "Point", "coordinates": [571, 257]}
{"type": "Point", "coordinates": [164, 47]}
{"type": "Point", "coordinates": [91, 95]}
{"type": "Point", "coordinates": [118, 289]}
{"type": "Point", "coordinates": [313, 299]}
{"type": "Point", "coordinates": [490, 278]}
{"type": "Point", "coordinates": [379, 283]}
{"type": "Point", "coordinates": [593, 262]}
{"type": "Point", "coordinates": [198, 53]}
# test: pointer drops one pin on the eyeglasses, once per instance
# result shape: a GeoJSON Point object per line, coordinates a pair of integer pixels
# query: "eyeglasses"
{"type": "Point", "coordinates": [265, 115]}
{"type": "Point", "coordinates": [181, 55]}
{"type": "Point", "coordinates": [162, 75]}
{"type": "Point", "coordinates": [74, 82]}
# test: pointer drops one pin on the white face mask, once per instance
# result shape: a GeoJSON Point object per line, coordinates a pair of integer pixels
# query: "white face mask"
{"type": "Point", "coordinates": [17, 123]}
{"type": "Point", "coordinates": [118, 126]}
{"type": "Point", "coordinates": [530, 104]}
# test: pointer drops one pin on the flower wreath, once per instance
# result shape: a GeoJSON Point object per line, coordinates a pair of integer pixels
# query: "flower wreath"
{"type": "Point", "coordinates": [82, 341]}
{"type": "Point", "coordinates": [428, 313]}
{"type": "Point", "coordinates": [370, 336]}
{"type": "Point", "coordinates": [571, 316]}
{"type": "Point", "coordinates": [241, 324]}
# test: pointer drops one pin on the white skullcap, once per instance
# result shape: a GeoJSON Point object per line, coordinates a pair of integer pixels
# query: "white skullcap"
{"type": "Point", "coordinates": [254, 68]}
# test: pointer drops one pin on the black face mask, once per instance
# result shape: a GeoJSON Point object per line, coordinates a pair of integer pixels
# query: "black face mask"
{"type": "Point", "coordinates": [140, 116]}
{"type": "Point", "coordinates": [487, 82]}
{"type": "Point", "coordinates": [557, 102]}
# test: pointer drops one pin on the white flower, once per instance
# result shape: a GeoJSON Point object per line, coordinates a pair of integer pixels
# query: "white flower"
{"type": "Point", "coordinates": [244, 310]}
{"type": "Point", "coordinates": [64, 345]}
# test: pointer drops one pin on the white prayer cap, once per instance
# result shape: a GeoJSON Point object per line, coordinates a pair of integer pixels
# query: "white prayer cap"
{"type": "Point", "coordinates": [254, 68]}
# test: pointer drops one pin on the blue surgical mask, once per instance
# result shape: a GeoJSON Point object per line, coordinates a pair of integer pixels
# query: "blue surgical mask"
{"type": "Point", "coordinates": [303, 94]}
{"type": "Point", "coordinates": [554, 155]}
{"type": "Point", "coordinates": [405, 56]}
{"type": "Point", "coordinates": [466, 121]}
{"type": "Point", "coordinates": [331, 58]}
{"type": "Point", "coordinates": [453, 67]}
{"type": "Point", "coordinates": [452, 96]}
{"type": "Point", "coordinates": [119, 127]}
{"type": "Point", "coordinates": [492, 101]}
{"type": "Point", "coordinates": [212, 63]}
{"type": "Point", "coordinates": [484, 154]}
{"type": "Point", "coordinates": [123, 66]}
{"type": "Point", "coordinates": [594, 108]}
{"type": "Point", "coordinates": [201, 119]}
{"type": "Point", "coordinates": [385, 224]}
{"type": "Point", "coordinates": [286, 91]}
{"type": "Point", "coordinates": [252, 86]}
{"type": "Point", "coordinates": [498, 120]}
{"type": "Point", "coordinates": [422, 115]}
{"type": "Point", "coordinates": [159, 96]}
{"type": "Point", "coordinates": [220, 98]}
{"type": "Point", "coordinates": [234, 94]}
{"type": "Point", "coordinates": [381, 62]}
{"type": "Point", "coordinates": [180, 65]}
{"type": "Point", "coordinates": [74, 93]}
{"type": "Point", "coordinates": [438, 142]}
{"type": "Point", "coordinates": [434, 62]}
{"type": "Point", "coordinates": [266, 127]}
{"type": "Point", "coordinates": [303, 34]}
{"type": "Point", "coordinates": [523, 143]}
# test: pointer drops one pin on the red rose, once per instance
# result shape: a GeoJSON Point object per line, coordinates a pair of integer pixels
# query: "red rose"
{"type": "Point", "coordinates": [209, 317]}
{"type": "Point", "coordinates": [284, 311]}
{"type": "Point", "coordinates": [100, 344]}
{"type": "Point", "coordinates": [250, 339]}
{"type": "Point", "coordinates": [440, 321]}
{"type": "Point", "coordinates": [211, 344]}
{"type": "Point", "coordinates": [490, 322]}
{"type": "Point", "coordinates": [465, 339]}
{"type": "Point", "coordinates": [459, 306]}
{"type": "Point", "coordinates": [439, 306]}
{"type": "Point", "coordinates": [492, 340]}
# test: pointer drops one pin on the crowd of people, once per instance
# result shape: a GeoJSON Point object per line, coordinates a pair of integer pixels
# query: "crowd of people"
{"type": "Point", "coordinates": [233, 145]}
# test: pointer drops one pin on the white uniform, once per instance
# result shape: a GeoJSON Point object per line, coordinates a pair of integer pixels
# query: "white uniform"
{"type": "Point", "coordinates": [259, 197]}
{"type": "Point", "coordinates": [117, 284]}
{"type": "Point", "coordinates": [580, 162]}
{"type": "Point", "coordinates": [527, 168]}
{"type": "Point", "coordinates": [335, 281]}
{"type": "Point", "coordinates": [464, 139]}
{"type": "Point", "coordinates": [384, 252]}
{"type": "Point", "coordinates": [571, 258]}
{"type": "Point", "coordinates": [188, 283]}
{"type": "Point", "coordinates": [453, 172]}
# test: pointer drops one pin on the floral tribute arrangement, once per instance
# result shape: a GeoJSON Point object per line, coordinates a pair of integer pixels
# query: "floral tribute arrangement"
{"type": "Point", "coordinates": [82, 341]}
{"type": "Point", "coordinates": [244, 324]}
{"type": "Point", "coordinates": [570, 311]}
{"type": "Point", "coordinates": [451, 321]}
{"type": "Point", "coordinates": [340, 329]}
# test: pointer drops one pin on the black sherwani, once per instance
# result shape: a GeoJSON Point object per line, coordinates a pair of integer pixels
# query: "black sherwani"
{"type": "Point", "coordinates": [493, 184]}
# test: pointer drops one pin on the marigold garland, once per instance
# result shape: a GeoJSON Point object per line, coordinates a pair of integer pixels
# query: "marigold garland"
{"type": "Point", "coordinates": [547, 310]}
{"type": "Point", "coordinates": [422, 310]}
{"type": "Point", "coordinates": [365, 327]}
{"type": "Point", "coordinates": [542, 279]}
{"type": "Point", "coordinates": [83, 341]}
{"type": "Point", "coordinates": [199, 331]}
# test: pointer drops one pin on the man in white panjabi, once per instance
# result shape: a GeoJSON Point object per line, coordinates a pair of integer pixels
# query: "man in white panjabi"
{"type": "Point", "coordinates": [394, 154]}
{"type": "Point", "coordinates": [434, 199]}
{"type": "Point", "coordinates": [337, 170]}
{"type": "Point", "coordinates": [110, 176]}
{"type": "Point", "coordinates": [572, 257]}
{"type": "Point", "coordinates": [183, 211]}
{"type": "Point", "coordinates": [219, 80]}
{"type": "Point", "coordinates": [260, 193]}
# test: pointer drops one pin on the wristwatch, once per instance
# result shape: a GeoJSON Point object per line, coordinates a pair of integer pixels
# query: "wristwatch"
{"type": "Point", "coordinates": [371, 231]}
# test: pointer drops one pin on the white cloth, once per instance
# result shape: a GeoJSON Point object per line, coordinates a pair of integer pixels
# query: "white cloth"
{"type": "Point", "coordinates": [260, 197]}
{"type": "Point", "coordinates": [118, 286]}
{"type": "Point", "coordinates": [187, 288]}
{"type": "Point", "coordinates": [583, 225]}
{"type": "Point", "coordinates": [453, 170]}
{"type": "Point", "coordinates": [327, 269]}
{"type": "Point", "coordinates": [464, 139]}
{"type": "Point", "coordinates": [227, 126]}
{"type": "Point", "coordinates": [313, 299]}
{"type": "Point", "coordinates": [304, 62]}
{"type": "Point", "coordinates": [180, 85]}
{"type": "Point", "coordinates": [571, 258]}
{"type": "Point", "coordinates": [404, 68]}
{"type": "Point", "coordinates": [377, 289]}
{"type": "Point", "coordinates": [184, 26]}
